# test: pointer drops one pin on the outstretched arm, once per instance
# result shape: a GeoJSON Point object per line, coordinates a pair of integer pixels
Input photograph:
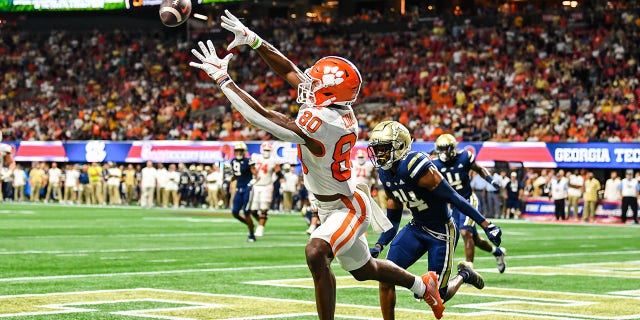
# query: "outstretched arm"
{"type": "Point", "coordinates": [433, 181]}
{"type": "Point", "coordinates": [273, 122]}
{"type": "Point", "coordinates": [484, 173]}
{"type": "Point", "coordinates": [272, 56]}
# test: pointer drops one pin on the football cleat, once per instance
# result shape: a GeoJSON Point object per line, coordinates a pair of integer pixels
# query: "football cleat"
{"type": "Point", "coordinates": [432, 294]}
{"type": "Point", "coordinates": [251, 238]}
{"type": "Point", "coordinates": [469, 275]}
{"type": "Point", "coordinates": [259, 231]}
{"type": "Point", "coordinates": [502, 265]}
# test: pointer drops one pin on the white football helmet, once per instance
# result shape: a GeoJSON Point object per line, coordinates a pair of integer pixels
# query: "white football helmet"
{"type": "Point", "coordinates": [239, 148]}
{"type": "Point", "coordinates": [389, 142]}
{"type": "Point", "coordinates": [361, 156]}
{"type": "Point", "coordinates": [446, 147]}
{"type": "Point", "coordinates": [265, 149]}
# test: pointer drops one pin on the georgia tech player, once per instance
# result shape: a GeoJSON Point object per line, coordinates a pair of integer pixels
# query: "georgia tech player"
{"type": "Point", "coordinates": [325, 131]}
{"type": "Point", "coordinates": [410, 178]}
{"type": "Point", "coordinates": [455, 166]}
{"type": "Point", "coordinates": [264, 170]}
{"type": "Point", "coordinates": [241, 169]}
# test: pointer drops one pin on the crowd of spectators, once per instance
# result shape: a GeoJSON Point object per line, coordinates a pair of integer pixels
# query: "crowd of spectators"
{"type": "Point", "coordinates": [562, 79]}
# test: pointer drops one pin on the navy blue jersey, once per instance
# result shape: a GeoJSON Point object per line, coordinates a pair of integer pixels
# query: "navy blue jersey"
{"type": "Point", "coordinates": [427, 208]}
{"type": "Point", "coordinates": [513, 190]}
{"type": "Point", "coordinates": [184, 179]}
{"type": "Point", "coordinates": [457, 172]}
{"type": "Point", "coordinates": [241, 171]}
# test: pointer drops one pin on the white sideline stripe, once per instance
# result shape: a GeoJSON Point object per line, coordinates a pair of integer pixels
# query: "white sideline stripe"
{"type": "Point", "coordinates": [151, 235]}
{"type": "Point", "coordinates": [149, 249]}
{"type": "Point", "coordinates": [145, 273]}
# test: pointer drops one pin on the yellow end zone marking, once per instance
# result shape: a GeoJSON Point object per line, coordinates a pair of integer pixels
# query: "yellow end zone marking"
{"type": "Point", "coordinates": [210, 306]}
{"type": "Point", "coordinates": [520, 301]}
{"type": "Point", "coordinates": [200, 305]}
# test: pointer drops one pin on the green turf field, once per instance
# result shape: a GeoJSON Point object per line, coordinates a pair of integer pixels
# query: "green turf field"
{"type": "Point", "coordinates": [70, 262]}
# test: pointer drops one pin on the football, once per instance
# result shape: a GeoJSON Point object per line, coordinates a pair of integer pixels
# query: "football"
{"type": "Point", "coordinates": [174, 12]}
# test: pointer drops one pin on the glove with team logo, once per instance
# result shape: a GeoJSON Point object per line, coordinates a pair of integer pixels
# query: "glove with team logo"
{"type": "Point", "coordinates": [494, 233]}
{"type": "Point", "coordinates": [242, 34]}
{"type": "Point", "coordinates": [215, 67]}
{"type": "Point", "coordinates": [376, 250]}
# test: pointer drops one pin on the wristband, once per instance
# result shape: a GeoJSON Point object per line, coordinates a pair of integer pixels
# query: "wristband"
{"type": "Point", "coordinates": [223, 80]}
{"type": "Point", "coordinates": [256, 43]}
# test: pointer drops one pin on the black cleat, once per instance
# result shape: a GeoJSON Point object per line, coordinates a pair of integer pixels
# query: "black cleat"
{"type": "Point", "coordinates": [469, 275]}
{"type": "Point", "coordinates": [251, 238]}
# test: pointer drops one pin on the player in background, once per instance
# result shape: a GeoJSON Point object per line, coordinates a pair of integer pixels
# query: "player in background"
{"type": "Point", "coordinates": [325, 131]}
{"type": "Point", "coordinates": [363, 170]}
{"type": "Point", "coordinates": [6, 159]}
{"type": "Point", "coordinates": [148, 182]}
{"type": "Point", "coordinates": [214, 183]}
{"type": "Point", "coordinates": [455, 165]}
{"type": "Point", "coordinates": [71, 183]}
{"type": "Point", "coordinates": [6, 155]}
{"type": "Point", "coordinates": [113, 183]}
{"type": "Point", "coordinates": [54, 179]}
{"type": "Point", "coordinates": [264, 170]}
{"type": "Point", "coordinates": [184, 184]}
{"type": "Point", "coordinates": [241, 167]}
{"type": "Point", "coordinates": [410, 178]}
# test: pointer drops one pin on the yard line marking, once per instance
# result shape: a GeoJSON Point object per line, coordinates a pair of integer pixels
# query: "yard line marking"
{"type": "Point", "coordinates": [252, 247]}
{"type": "Point", "coordinates": [559, 255]}
{"type": "Point", "coordinates": [17, 212]}
{"type": "Point", "coordinates": [582, 237]}
{"type": "Point", "coordinates": [146, 273]}
{"type": "Point", "coordinates": [163, 260]}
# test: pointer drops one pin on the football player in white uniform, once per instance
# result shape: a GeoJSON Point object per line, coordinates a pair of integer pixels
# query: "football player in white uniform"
{"type": "Point", "coordinates": [363, 170]}
{"type": "Point", "coordinates": [264, 169]}
{"type": "Point", "coordinates": [325, 131]}
{"type": "Point", "coordinates": [6, 160]}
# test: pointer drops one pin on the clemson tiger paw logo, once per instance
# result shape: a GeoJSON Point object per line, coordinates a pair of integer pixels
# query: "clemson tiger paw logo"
{"type": "Point", "coordinates": [332, 76]}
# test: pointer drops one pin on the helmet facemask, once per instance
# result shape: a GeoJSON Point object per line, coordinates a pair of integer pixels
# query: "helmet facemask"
{"type": "Point", "coordinates": [446, 153]}
{"type": "Point", "coordinates": [390, 142]}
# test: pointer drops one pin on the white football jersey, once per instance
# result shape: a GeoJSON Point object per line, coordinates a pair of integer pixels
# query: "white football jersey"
{"type": "Point", "coordinates": [330, 172]}
{"type": "Point", "coordinates": [264, 168]}
{"type": "Point", "coordinates": [362, 172]}
{"type": "Point", "coordinates": [5, 149]}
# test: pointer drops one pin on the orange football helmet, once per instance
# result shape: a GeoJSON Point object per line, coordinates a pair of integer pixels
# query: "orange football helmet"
{"type": "Point", "coordinates": [331, 80]}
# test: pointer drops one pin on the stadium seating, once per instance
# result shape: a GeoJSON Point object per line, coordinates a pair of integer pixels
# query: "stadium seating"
{"type": "Point", "coordinates": [545, 81]}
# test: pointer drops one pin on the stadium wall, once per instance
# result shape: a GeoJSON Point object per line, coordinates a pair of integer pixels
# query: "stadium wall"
{"type": "Point", "coordinates": [530, 154]}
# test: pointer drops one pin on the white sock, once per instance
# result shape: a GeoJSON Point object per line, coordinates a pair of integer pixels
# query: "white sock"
{"type": "Point", "coordinates": [418, 287]}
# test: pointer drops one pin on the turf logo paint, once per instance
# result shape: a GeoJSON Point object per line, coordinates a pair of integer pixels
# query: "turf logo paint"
{"type": "Point", "coordinates": [502, 303]}
{"type": "Point", "coordinates": [185, 305]}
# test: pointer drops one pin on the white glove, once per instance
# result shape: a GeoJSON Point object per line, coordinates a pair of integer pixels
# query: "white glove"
{"type": "Point", "coordinates": [215, 67]}
{"type": "Point", "coordinates": [242, 34]}
{"type": "Point", "coordinates": [313, 205]}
